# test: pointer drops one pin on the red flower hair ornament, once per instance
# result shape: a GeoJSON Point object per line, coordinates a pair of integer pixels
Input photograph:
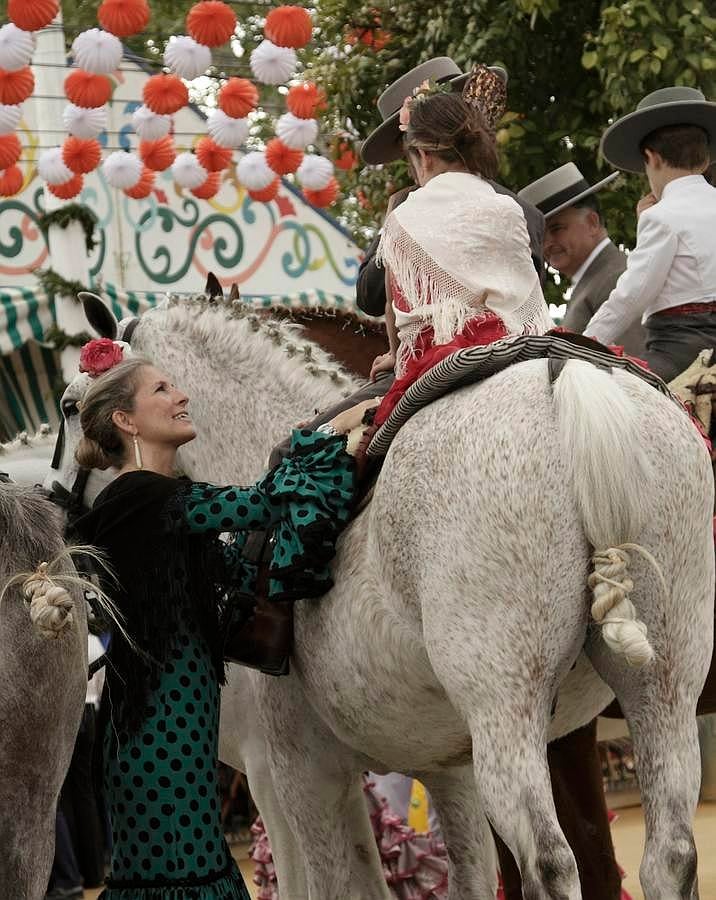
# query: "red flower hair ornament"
{"type": "Point", "coordinates": [101, 355]}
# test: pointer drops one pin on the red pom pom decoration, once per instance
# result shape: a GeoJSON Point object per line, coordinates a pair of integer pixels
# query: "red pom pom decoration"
{"type": "Point", "coordinates": [88, 90]}
{"type": "Point", "coordinates": [158, 155]}
{"type": "Point", "coordinates": [81, 156]}
{"type": "Point", "coordinates": [289, 26]}
{"type": "Point", "coordinates": [268, 193]}
{"type": "Point", "coordinates": [143, 188]}
{"type": "Point", "coordinates": [11, 182]}
{"type": "Point", "coordinates": [328, 195]}
{"type": "Point", "coordinates": [306, 100]}
{"type": "Point", "coordinates": [238, 97]}
{"type": "Point", "coordinates": [124, 17]}
{"type": "Point", "coordinates": [212, 156]}
{"type": "Point", "coordinates": [282, 159]}
{"type": "Point", "coordinates": [69, 189]}
{"type": "Point", "coordinates": [10, 150]}
{"type": "Point", "coordinates": [16, 87]}
{"type": "Point", "coordinates": [165, 94]}
{"type": "Point", "coordinates": [210, 188]}
{"type": "Point", "coordinates": [211, 23]}
{"type": "Point", "coordinates": [32, 15]}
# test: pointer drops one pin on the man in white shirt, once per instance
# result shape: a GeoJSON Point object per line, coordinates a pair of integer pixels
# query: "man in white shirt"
{"type": "Point", "coordinates": [577, 245]}
{"type": "Point", "coordinates": [670, 278]}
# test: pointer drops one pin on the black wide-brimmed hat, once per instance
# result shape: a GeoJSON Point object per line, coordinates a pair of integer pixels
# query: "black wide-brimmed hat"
{"type": "Point", "coordinates": [561, 188]}
{"type": "Point", "coordinates": [384, 145]}
{"type": "Point", "coordinates": [667, 106]}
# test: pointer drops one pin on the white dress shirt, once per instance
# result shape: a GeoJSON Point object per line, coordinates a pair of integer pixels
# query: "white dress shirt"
{"type": "Point", "coordinates": [674, 261]}
{"type": "Point", "coordinates": [579, 274]}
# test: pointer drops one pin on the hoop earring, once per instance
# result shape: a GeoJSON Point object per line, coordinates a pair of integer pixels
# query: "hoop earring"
{"type": "Point", "coordinates": [137, 452]}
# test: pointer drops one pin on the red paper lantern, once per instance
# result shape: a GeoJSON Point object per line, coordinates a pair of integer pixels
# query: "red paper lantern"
{"type": "Point", "coordinates": [212, 156]}
{"type": "Point", "coordinates": [305, 100]}
{"type": "Point", "coordinates": [143, 188]}
{"type": "Point", "coordinates": [325, 197]}
{"type": "Point", "coordinates": [345, 158]}
{"type": "Point", "coordinates": [211, 23]}
{"type": "Point", "coordinates": [282, 159]}
{"type": "Point", "coordinates": [81, 156]}
{"type": "Point", "coordinates": [165, 94]}
{"type": "Point", "coordinates": [238, 97]}
{"type": "Point", "coordinates": [268, 193]}
{"type": "Point", "coordinates": [69, 189]}
{"type": "Point", "coordinates": [11, 182]}
{"type": "Point", "coordinates": [210, 188]}
{"type": "Point", "coordinates": [88, 90]}
{"type": "Point", "coordinates": [16, 87]}
{"type": "Point", "coordinates": [32, 15]}
{"type": "Point", "coordinates": [289, 26]}
{"type": "Point", "coordinates": [158, 155]}
{"type": "Point", "coordinates": [124, 17]}
{"type": "Point", "coordinates": [10, 150]}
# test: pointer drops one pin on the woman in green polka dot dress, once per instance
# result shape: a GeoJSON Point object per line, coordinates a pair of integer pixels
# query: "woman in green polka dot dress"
{"type": "Point", "coordinates": [174, 578]}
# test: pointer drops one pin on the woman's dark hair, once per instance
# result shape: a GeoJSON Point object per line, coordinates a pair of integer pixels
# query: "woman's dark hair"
{"type": "Point", "coordinates": [455, 131]}
{"type": "Point", "coordinates": [101, 444]}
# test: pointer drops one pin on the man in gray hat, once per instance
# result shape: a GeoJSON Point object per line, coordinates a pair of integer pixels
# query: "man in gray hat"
{"type": "Point", "coordinates": [577, 245]}
{"type": "Point", "coordinates": [670, 278]}
{"type": "Point", "coordinates": [384, 145]}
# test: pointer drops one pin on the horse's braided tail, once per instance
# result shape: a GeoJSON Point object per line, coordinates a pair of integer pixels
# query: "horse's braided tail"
{"type": "Point", "coordinates": [600, 437]}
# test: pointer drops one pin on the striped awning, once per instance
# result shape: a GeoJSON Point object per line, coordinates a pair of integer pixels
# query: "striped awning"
{"type": "Point", "coordinates": [25, 315]}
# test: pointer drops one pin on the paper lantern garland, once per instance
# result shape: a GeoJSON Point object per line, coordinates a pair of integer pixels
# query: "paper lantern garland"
{"type": "Point", "coordinates": [143, 188]}
{"type": "Point", "coordinates": [16, 47]}
{"type": "Point", "coordinates": [11, 181]}
{"type": "Point", "coordinates": [271, 64]}
{"type": "Point", "coordinates": [254, 172]}
{"type": "Point", "coordinates": [81, 156]}
{"type": "Point", "coordinates": [282, 159]}
{"type": "Point", "coordinates": [9, 118]}
{"type": "Point", "coordinates": [84, 123]}
{"type": "Point", "coordinates": [212, 156]}
{"type": "Point", "coordinates": [268, 193]}
{"type": "Point", "coordinates": [158, 155]}
{"type": "Point", "coordinates": [188, 171]}
{"type": "Point", "coordinates": [296, 133]}
{"type": "Point", "coordinates": [289, 26]}
{"type": "Point", "coordinates": [165, 94]}
{"type": "Point", "coordinates": [305, 100]}
{"type": "Point", "coordinates": [210, 188]}
{"type": "Point", "coordinates": [32, 15]}
{"type": "Point", "coordinates": [124, 18]}
{"type": "Point", "coordinates": [150, 126]}
{"type": "Point", "coordinates": [211, 23]}
{"type": "Point", "coordinates": [122, 170]}
{"type": "Point", "coordinates": [68, 189]}
{"type": "Point", "coordinates": [324, 197]}
{"type": "Point", "coordinates": [187, 58]}
{"type": "Point", "coordinates": [238, 97]}
{"type": "Point", "coordinates": [315, 172]}
{"type": "Point", "coordinates": [97, 51]}
{"type": "Point", "coordinates": [10, 150]}
{"type": "Point", "coordinates": [51, 167]}
{"type": "Point", "coordinates": [88, 90]}
{"type": "Point", "coordinates": [225, 130]}
{"type": "Point", "coordinates": [16, 86]}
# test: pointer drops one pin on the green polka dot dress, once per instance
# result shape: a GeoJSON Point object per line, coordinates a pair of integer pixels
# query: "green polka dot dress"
{"type": "Point", "coordinates": [160, 731]}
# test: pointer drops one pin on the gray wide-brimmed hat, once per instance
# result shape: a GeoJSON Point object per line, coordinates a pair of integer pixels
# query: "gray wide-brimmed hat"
{"type": "Point", "coordinates": [667, 106]}
{"type": "Point", "coordinates": [384, 144]}
{"type": "Point", "coordinates": [561, 188]}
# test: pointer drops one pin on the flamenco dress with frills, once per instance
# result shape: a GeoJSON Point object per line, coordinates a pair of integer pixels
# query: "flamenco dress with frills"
{"type": "Point", "coordinates": [159, 721]}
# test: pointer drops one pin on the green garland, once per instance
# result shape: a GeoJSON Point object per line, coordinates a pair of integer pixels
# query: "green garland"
{"type": "Point", "coordinates": [54, 284]}
{"type": "Point", "coordinates": [60, 339]}
{"type": "Point", "coordinates": [73, 212]}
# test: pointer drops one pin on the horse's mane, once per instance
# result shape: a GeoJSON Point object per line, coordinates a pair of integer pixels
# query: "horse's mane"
{"type": "Point", "coordinates": [30, 527]}
{"type": "Point", "coordinates": [205, 319]}
{"type": "Point", "coordinates": [42, 438]}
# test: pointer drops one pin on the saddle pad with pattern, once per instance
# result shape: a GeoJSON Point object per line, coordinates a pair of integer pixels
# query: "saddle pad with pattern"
{"type": "Point", "coordinates": [473, 364]}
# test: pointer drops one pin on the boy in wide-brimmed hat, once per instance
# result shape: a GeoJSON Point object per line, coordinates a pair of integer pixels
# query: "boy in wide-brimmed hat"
{"type": "Point", "coordinates": [670, 278]}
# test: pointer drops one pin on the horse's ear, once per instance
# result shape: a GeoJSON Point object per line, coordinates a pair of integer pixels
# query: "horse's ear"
{"type": "Point", "coordinates": [235, 293]}
{"type": "Point", "coordinates": [214, 289]}
{"type": "Point", "coordinates": [99, 316]}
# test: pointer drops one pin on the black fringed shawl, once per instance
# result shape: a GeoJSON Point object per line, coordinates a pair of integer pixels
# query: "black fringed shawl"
{"type": "Point", "coordinates": [167, 578]}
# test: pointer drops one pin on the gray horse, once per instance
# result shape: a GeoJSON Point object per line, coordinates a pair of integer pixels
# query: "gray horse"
{"type": "Point", "coordinates": [43, 683]}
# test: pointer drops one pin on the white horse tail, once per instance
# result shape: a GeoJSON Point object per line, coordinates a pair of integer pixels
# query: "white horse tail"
{"type": "Point", "coordinates": [609, 469]}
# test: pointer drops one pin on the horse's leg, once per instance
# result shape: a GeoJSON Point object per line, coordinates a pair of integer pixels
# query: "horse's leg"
{"type": "Point", "coordinates": [472, 866]}
{"type": "Point", "coordinates": [318, 781]}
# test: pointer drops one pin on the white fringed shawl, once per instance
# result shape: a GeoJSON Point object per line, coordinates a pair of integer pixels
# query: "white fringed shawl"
{"type": "Point", "coordinates": [454, 248]}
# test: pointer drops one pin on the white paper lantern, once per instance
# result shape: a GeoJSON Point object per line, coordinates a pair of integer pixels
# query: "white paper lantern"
{"type": "Point", "coordinates": [296, 133]}
{"type": "Point", "coordinates": [187, 58]}
{"type": "Point", "coordinates": [225, 130]}
{"type": "Point", "coordinates": [52, 167]}
{"type": "Point", "coordinates": [315, 172]}
{"type": "Point", "coordinates": [97, 51]}
{"type": "Point", "coordinates": [122, 170]}
{"type": "Point", "coordinates": [188, 172]}
{"type": "Point", "coordinates": [84, 123]}
{"type": "Point", "coordinates": [254, 172]}
{"type": "Point", "coordinates": [150, 126]}
{"type": "Point", "coordinates": [16, 47]}
{"type": "Point", "coordinates": [271, 64]}
{"type": "Point", "coordinates": [9, 118]}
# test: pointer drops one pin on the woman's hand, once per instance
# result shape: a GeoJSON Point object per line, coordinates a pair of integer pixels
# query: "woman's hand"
{"type": "Point", "coordinates": [646, 201]}
{"type": "Point", "coordinates": [352, 418]}
{"type": "Point", "coordinates": [383, 363]}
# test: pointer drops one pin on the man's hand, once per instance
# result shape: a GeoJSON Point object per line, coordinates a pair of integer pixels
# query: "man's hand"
{"type": "Point", "coordinates": [646, 201]}
{"type": "Point", "coordinates": [383, 363]}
